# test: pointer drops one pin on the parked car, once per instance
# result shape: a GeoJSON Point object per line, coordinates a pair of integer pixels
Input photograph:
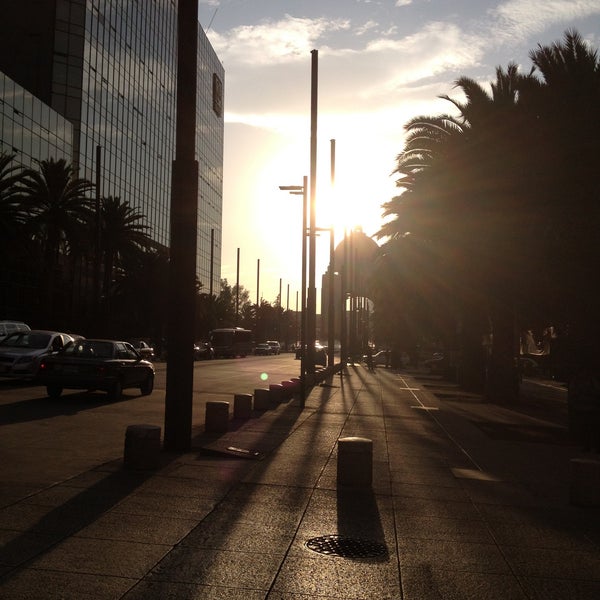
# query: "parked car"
{"type": "Point", "coordinates": [437, 363]}
{"type": "Point", "coordinates": [275, 346]}
{"type": "Point", "coordinates": [381, 358]}
{"type": "Point", "coordinates": [8, 327]}
{"type": "Point", "coordinates": [22, 351]}
{"type": "Point", "coordinates": [143, 348]}
{"type": "Point", "coordinates": [263, 349]}
{"type": "Point", "coordinates": [203, 351]}
{"type": "Point", "coordinates": [107, 365]}
{"type": "Point", "coordinates": [320, 354]}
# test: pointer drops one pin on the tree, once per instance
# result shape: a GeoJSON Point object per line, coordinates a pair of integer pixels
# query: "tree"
{"type": "Point", "coordinates": [58, 208]}
{"type": "Point", "coordinates": [12, 215]}
{"type": "Point", "coordinates": [569, 109]}
{"type": "Point", "coordinates": [463, 180]}
{"type": "Point", "coordinates": [225, 306]}
{"type": "Point", "coordinates": [123, 235]}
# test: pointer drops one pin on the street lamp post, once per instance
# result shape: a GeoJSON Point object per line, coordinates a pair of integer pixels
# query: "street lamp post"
{"type": "Point", "coordinates": [330, 298]}
{"type": "Point", "coordinates": [302, 190]}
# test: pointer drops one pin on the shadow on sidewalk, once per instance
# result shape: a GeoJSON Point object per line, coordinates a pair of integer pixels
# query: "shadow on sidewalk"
{"type": "Point", "coordinates": [63, 521]}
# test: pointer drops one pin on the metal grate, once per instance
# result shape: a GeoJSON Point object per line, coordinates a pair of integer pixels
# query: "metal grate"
{"type": "Point", "coordinates": [337, 545]}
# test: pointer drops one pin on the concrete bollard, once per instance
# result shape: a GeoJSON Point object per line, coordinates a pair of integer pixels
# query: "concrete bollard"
{"type": "Point", "coordinates": [355, 462]}
{"type": "Point", "coordinates": [242, 406]}
{"type": "Point", "coordinates": [217, 417]}
{"type": "Point", "coordinates": [289, 387]}
{"type": "Point", "coordinates": [262, 399]}
{"type": "Point", "coordinates": [142, 447]}
{"type": "Point", "coordinates": [276, 393]}
{"type": "Point", "coordinates": [585, 482]}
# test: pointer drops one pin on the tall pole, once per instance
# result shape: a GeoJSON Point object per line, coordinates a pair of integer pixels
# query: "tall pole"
{"type": "Point", "coordinates": [330, 309]}
{"type": "Point", "coordinates": [98, 239]}
{"type": "Point", "coordinates": [257, 288]}
{"type": "Point", "coordinates": [312, 292]}
{"type": "Point", "coordinates": [237, 289]}
{"type": "Point", "coordinates": [279, 311]}
{"type": "Point", "coordinates": [303, 189]}
{"type": "Point", "coordinates": [212, 260]}
{"type": "Point", "coordinates": [184, 209]}
{"type": "Point", "coordinates": [343, 294]}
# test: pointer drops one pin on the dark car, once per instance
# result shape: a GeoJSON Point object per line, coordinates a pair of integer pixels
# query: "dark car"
{"type": "Point", "coordinates": [203, 351]}
{"type": "Point", "coordinates": [107, 365]}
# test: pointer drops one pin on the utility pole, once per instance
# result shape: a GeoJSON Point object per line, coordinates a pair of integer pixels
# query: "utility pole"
{"type": "Point", "coordinates": [184, 209]}
{"type": "Point", "coordinates": [312, 291]}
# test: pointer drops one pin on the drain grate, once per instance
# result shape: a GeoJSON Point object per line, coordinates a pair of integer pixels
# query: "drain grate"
{"type": "Point", "coordinates": [346, 547]}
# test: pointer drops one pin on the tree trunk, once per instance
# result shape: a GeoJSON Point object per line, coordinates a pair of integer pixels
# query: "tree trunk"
{"type": "Point", "coordinates": [502, 378]}
{"type": "Point", "coordinates": [471, 365]}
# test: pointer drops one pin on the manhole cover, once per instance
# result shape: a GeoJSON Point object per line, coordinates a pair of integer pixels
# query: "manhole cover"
{"type": "Point", "coordinates": [337, 545]}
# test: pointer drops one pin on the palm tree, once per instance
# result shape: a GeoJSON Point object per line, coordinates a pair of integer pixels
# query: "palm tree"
{"type": "Point", "coordinates": [570, 106]}
{"type": "Point", "coordinates": [123, 234]}
{"type": "Point", "coordinates": [464, 186]}
{"type": "Point", "coordinates": [11, 213]}
{"type": "Point", "coordinates": [58, 208]}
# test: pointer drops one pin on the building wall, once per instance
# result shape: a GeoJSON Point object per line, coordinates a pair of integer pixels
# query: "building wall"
{"type": "Point", "coordinates": [29, 129]}
{"type": "Point", "coordinates": [112, 74]}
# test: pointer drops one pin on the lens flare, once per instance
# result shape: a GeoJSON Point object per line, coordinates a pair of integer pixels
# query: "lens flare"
{"type": "Point", "coordinates": [264, 376]}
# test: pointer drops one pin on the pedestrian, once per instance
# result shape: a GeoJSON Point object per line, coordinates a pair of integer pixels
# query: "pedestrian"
{"type": "Point", "coordinates": [370, 361]}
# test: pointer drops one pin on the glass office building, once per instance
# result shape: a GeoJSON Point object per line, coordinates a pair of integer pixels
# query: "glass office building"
{"type": "Point", "coordinates": [30, 130]}
{"type": "Point", "coordinates": [108, 68]}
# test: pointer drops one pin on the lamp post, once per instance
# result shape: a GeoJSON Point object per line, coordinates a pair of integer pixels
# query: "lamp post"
{"type": "Point", "coordinates": [330, 297]}
{"type": "Point", "coordinates": [302, 190]}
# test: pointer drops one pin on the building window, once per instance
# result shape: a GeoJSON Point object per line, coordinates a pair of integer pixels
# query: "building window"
{"type": "Point", "coordinates": [217, 95]}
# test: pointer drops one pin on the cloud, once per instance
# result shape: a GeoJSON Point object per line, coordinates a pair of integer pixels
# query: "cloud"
{"type": "Point", "coordinates": [517, 20]}
{"type": "Point", "coordinates": [283, 41]}
{"type": "Point", "coordinates": [400, 3]}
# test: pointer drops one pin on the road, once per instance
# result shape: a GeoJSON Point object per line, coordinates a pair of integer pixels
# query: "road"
{"type": "Point", "coordinates": [83, 430]}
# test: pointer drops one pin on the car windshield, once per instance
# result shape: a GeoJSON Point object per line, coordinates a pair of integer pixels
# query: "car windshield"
{"type": "Point", "coordinates": [35, 341]}
{"type": "Point", "coordinates": [90, 349]}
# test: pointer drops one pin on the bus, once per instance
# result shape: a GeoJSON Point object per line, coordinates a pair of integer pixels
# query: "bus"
{"type": "Point", "coordinates": [230, 342]}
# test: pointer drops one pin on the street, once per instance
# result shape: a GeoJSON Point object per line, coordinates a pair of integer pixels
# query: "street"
{"type": "Point", "coordinates": [83, 430]}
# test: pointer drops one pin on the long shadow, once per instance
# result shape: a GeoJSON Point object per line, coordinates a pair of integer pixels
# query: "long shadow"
{"type": "Point", "coordinates": [359, 520]}
{"type": "Point", "coordinates": [67, 519]}
{"type": "Point", "coordinates": [291, 417]}
{"type": "Point", "coordinates": [43, 407]}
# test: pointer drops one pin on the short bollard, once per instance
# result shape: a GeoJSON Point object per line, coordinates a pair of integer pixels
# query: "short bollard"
{"type": "Point", "coordinates": [355, 462]}
{"type": "Point", "coordinates": [217, 417]}
{"type": "Point", "coordinates": [288, 389]}
{"type": "Point", "coordinates": [242, 406]}
{"type": "Point", "coordinates": [585, 482]}
{"type": "Point", "coordinates": [142, 447]}
{"type": "Point", "coordinates": [262, 399]}
{"type": "Point", "coordinates": [276, 393]}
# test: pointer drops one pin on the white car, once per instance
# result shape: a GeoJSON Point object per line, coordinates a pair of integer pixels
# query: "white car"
{"type": "Point", "coordinates": [22, 351]}
{"type": "Point", "coordinates": [8, 327]}
{"type": "Point", "coordinates": [275, 346]}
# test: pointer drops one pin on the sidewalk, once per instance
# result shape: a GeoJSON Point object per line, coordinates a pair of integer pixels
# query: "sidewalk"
{"type": "Point", "coordinates": [469, 500]}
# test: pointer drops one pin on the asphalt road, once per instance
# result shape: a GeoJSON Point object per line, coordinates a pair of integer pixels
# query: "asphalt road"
{"type": "Point", "coordinates": [82, 430]}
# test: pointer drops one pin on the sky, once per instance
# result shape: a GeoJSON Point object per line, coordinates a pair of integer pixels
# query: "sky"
{"type": "Point", "coordinates": [380, 63]}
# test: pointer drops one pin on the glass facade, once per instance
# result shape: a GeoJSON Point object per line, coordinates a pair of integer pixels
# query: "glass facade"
{"type": "Point", "coordinates": [29, 129]}
{"type": "Point", "coordinates": [113, 77]}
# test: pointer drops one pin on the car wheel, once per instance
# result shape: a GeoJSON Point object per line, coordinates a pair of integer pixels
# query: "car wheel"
{"type": "Point", "coordinates": [116, 391]}
{"type": "Point", "coordinates": [147, 385]}
{"type": "Point", "coordinates": [54, 391]}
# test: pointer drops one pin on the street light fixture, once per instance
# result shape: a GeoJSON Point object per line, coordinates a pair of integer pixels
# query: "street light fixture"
{"type": "Point", "coordinates": [301, 190]}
